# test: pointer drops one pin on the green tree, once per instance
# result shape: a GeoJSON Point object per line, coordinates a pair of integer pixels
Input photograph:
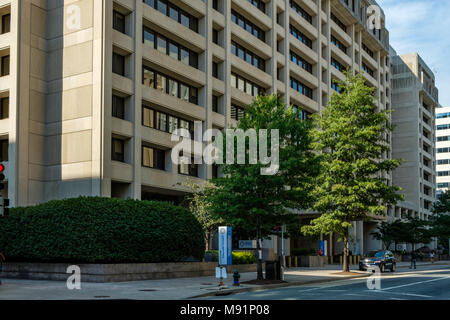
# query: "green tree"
{"type": "Point", "coordinates": [390, 233]}
{"type": "Point", "coordinates": [199, 206]}
{"type": "Point", "coordinates": [440, 220]}
{"type": "Point", "coordinates": [256, 202]}
{"type": "Point", "coordinates": [352, 138]}
{"type": "Point", "coordinates": [416, 231]}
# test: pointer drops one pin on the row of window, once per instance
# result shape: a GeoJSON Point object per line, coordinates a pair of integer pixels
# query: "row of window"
{"type": "Point", "coordinates": [175, 13]}
{"type": "Point", "coordinates": [245, 85]}
{"type": "Point", "coordinates": [443, 138]}
{"type": "Point", "coordinates": [300, 87]}
{"type": "Point", "coordinates": [443, 126]}
{"type": "Point", "coordinates": [442, 115]}
{"type": "Point", "coordinates": [443, 173]}
{"type": "Point", "coordinates": [162, 121]}
{"type": "Point", "coordinates": [151, 158]}
{"type": "Point", "coordinates": [338, 44]}
{"type": "Point", "coordinates": [337, 64]}
{"type": "Point", "coordinates": [443, 150]}
{"type": "Point", "coordinates": [169, 85]}
{"type": "Point", "coordinates": [261, 5]}
{"type": "Point", "coordinates": [366, 49]}
{"type": "Point", "coordinates": [443, 185]}
{"type": "Point", "coordinates": [248, 26]}
{"type": "Point", "coordinates": [4, 108]}
{"type": "Point", "coordinates": [248, 56]}
{"type": "Point", "coordinates": [170, 48]}
{"type": "Point", "coordinates": [300, 36]}
{"type": "Point", "coordinates": [443, 161]}
{"type": "Point", "coordinates": [237, 112]}
{"type": "Point", "coordinates": [300, 11]}
{"type": "Point", "coordinates": [300, 62]}
{"type": "Point", "coordinates": [367, 69]}
{"type": "Point", "coordinates": [301, 113]}
{"type": "Point", "coordinates": [338, 22]}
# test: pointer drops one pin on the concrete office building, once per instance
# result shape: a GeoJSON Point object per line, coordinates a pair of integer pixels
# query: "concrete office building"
{"type": "Point", "coordinates": [442, 149]}
{"type": "Point", "coordinates": [93, 89]}
{"type": "Point", "coordinates": [414, 100]}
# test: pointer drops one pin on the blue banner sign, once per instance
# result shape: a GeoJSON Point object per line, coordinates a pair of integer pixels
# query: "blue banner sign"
{"type": "Point", "coordinates": [225, 246]}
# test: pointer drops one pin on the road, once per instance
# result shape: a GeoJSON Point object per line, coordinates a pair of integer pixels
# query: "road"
{"type": "Point", "coordinates": [428, 283]}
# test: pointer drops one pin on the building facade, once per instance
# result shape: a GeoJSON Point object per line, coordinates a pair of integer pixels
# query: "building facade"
{"type": "Point", "coordinates": [415, 101]}
{"type": "Point", "coordinates": [442, 149]}
{"type": "Point", "coordinates": [94, 88]}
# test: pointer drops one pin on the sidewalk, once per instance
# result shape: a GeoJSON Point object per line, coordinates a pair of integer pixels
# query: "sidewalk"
{"type": "Point", "coordinates": [170, 289]}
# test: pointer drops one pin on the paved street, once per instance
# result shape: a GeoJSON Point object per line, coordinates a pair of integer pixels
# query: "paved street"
{"type": "Point", "coordinates": [429, 282]}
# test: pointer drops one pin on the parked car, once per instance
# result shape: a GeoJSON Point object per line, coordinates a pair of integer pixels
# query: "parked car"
{"type": "Point", "coordinates": [382, 259]}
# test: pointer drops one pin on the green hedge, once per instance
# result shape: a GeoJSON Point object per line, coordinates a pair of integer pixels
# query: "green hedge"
{"type": "Point", "coordinates": [101, 230]}
{"type": "Point", "coordinates": [241, 257]}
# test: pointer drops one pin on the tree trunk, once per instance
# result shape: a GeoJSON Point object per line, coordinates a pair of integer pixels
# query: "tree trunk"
{"type": "Point", "coordinates": [345, 266]}
{"type": "Point", "coordinates": [208, 238]}
{"type": "Point", "coordinates": [259, 268]}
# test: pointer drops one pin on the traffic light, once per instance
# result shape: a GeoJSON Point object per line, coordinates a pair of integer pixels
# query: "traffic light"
{"type": "Point", "coordinates": [2, 176]}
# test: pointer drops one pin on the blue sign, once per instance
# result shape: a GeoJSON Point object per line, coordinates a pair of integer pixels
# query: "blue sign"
{"type": "Point", "coordinates": [225, 246]}
{"type": "Point", "coordinates": [322, 247]}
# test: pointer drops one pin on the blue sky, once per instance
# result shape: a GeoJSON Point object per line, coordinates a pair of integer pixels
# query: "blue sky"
{"type": "Point", "coordinates": [422, 26]}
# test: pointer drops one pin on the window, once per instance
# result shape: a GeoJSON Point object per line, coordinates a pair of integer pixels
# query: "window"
{"type": "Point", "coordinates": [367, 69]}
{"type": "Point", "coordinates": [338, 22]}
{"type": "Point", "coordinates": [118, 107]}
{"type": "Point", "coordinates": [162, 121]}
{"type": "Point", "coordinates": [443, 126]}
{"type": "Point", "coordinates": [300, 87]}
{"type": "Point", "coordinates": [188, 169]}
{"type": "Point", "coordinates": [248, 26]}
{"type": "Point", "coordinates": [259, 4]}
{"type": "Point", "coordinates": [300, 11]}
{"type": "Point", "coordinates": [216, 36]}
{"type": "Point", "coordinates": [175, 13]}
{"type": "Point", "coordinates": [215, 70]}
{"type": "Point", "coordinates": [118, 21]}
{"type": "Point", "coordinates": [300, 36]}
{"type": "Point", "coordinates": [442, 115]}
{"type": "Point", "coordinates": [4, 108]}
{"type": "Point", "coordinates": [444, 138]}
{"type": "Point", "coordinates": [5, 66]}
{"type": "Point", "coordinates": [237, 112]}
{"type": "Point", "coordinates": [6, 23]}
{"type": "Point", "coordinates": [301, 113]}
{"type": "Point", "coordinates": [153, 158]}
{"type": "Point", "coordinates": [4, 143]}
{"type": "Point", "coordinates": [246, 85]}
{"type": "Point", "coordinates": [248, 56]}
{"type": "Point", "coordinates": [300, 62]}
{"type": "Point", "coordinates": [170, 48]}
{"type": "Point", "coordinates": [215, 103]}
{"type": "Point", "coordinates": [335, 87]}
{"type": "Point", "coordinates": [338, 44]}
{"type": "Point", "coordinates": [337, 64]}
{"type": "Point", "coordinates": [443, 150]}
{"type": "Point", "coordinates": [118, 64]}
{"type": "Point", "coordinates": [369, 52]}
{"type": "Point", "coordinates": [118, 150]}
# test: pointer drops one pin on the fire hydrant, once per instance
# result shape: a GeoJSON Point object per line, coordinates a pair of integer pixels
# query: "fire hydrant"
{"type": "Point", "coordinates": [236, 277]}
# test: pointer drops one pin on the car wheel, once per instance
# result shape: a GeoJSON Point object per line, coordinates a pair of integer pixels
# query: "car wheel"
{"type": "Point", "coordinates": [381, 268]}
{"type": "Point", "coordinates": [393, 267]}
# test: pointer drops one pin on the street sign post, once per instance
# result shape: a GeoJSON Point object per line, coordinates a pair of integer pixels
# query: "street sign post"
{"type": "Point", "coordinates": [225, 246]}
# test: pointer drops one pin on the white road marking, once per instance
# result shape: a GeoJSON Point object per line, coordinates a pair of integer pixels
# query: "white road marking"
{"type": "Point", "coordinates": [401, 293]}
{"type": "Point", "coordinates": [415, 283]}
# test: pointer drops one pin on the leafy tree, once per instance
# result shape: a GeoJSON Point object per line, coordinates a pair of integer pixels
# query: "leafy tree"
{"type": "Point", "coordinates": [390, 233]}
{"type": "Point", "coordinates": [200, 208]}
{"type": "Point", "coordinates": [352, 138]}
{"type": "Point", "coordinates": [416, 231]}
{"type": "Point", "coordinates": [257, 202]}
{"type": "Point", "coordinates": [440, 220]}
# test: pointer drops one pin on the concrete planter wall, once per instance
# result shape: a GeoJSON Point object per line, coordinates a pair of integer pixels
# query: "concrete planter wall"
{"type": "Point", "coordinates": [312, 261]}
{"type": "Point", "coordinates": [117, 272]}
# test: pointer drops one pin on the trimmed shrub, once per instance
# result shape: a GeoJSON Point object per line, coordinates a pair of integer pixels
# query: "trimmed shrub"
{"type": "Point", "coordinates": [101, 230]}
{"type": "Point", "coordinates": [237, 257]}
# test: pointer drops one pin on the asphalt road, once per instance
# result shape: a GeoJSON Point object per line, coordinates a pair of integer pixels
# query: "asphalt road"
{"type": "Point", "coordinates": [428, 283]}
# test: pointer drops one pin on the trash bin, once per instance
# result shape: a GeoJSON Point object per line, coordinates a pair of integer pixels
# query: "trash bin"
{"type": "Point", "coordinates": [270, 270]}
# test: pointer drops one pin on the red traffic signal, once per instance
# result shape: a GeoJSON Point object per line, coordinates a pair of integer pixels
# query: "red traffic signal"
{"type": "Point", "coordinates": [2, 176]}
{"type": "Point", "coordinates": [2, 168]}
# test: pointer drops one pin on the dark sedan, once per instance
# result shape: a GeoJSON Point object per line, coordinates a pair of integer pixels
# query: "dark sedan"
{"type": "Point", "coordinates": [381, 259]}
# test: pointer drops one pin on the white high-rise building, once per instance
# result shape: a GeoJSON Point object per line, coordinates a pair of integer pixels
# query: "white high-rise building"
{"type": "Point", "coordinates": [443, 149]}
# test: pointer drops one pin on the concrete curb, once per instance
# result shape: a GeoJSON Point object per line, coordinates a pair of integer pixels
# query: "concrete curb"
{"type": "Point", "coordinates": [226, 292]}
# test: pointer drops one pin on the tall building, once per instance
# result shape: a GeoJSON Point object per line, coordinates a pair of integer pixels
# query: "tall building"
{"type": "Point", "coordinates": [414, 101]}
{"type": "Point", "coordinates": [92, 89]}
{"type": "Point", "coordinates": [442, 149]}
